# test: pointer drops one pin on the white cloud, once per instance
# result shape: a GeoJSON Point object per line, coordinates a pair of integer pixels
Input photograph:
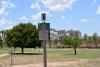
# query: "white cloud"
{"type": "Point", "coordinates": [63, 17]}
{"type": "Point", "coordinates": [23, 18]}
{"type": "Point", "coordinates": [9, 27]}
{"type": "Point", "coordinates": [85, 20]}
{"type": "Point", "coordinates": [2, 21]}
{"type": "Point", "coordinates": [12, 5]}
{"type": "Point", "coordinates": [6, 24]}
{"type": "Point", "coordinates": [5, 5]}
{"type": "Point", "coordinates": [35, 6]}
{"type": "Point", "coordinates": [38, 15]}
{"type": "Point", "coordinates": [94, 2]}
{"type": "Point", "coordinates": [98, 10]}
{"type": "Point", "coordinates": [2, 11]}
{"type": "Point", "coordinates": [58, 5]}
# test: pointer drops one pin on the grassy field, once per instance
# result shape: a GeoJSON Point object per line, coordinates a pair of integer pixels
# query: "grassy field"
{"type": "Point", "coordinates": [84, 57]}
{"type": "Point", "coordinates": [81, 53]}
{"type": "Point", "coordinates": [65, 53]}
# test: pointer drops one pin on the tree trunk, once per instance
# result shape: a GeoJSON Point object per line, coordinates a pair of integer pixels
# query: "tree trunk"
{"type": "Point", "coordinates": [14, 48]}
{"type": "Point", "coordinates": [49, 44]}
{"type": "Point", "coordinates": [75, 52]}
{"type": "Point", "coordinates": [1, 47]}
{"type": "Point", "coordinates": [22, 50]}
{"type": "Point", "coordinates": [96, 45]}
{"type": "Point", "coordinates": [87, 45]}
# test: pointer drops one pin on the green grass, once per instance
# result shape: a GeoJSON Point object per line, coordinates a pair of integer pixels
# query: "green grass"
{"type": "Point", "coordinates": [91, 55]}
{"type": "Point", "coordinates": [59, 53]}
{"type": "Point", "coordinates": [4, 50]}
{"type": "Point", "coordinates": [28, 50]}
{"type": "Point", "coordinates": [81, 53]}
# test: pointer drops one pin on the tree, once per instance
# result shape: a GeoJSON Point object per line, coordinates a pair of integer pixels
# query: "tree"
{"type": "Point", "coordinates": [72, 42]}
{"type": "Point", "coordinates": [95, 39]}
{"type": "Point", "coordinates": [1, 39]}
{"type": "Point", "coordinates": [98, 40]}
{"type": "Point", "coordinates": [1, 42]}
{"type": "Point", "coordinates": [61, 39]}
{"type": "Point", "coordinates": [23, 35]}
{"type": "Point", "coordinates": [61, 35]}
{"type": "Point", "coordinates": [85, 39]}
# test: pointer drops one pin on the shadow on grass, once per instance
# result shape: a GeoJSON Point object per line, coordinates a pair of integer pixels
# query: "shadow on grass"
{"type": "Point", "coordinates": [27, 53]}
{"type": "Point", "coordinates": [71, 54]}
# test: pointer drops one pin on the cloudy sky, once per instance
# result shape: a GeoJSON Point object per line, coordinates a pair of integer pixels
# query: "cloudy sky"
{"type": "Point", "coordinates": [83, 15]}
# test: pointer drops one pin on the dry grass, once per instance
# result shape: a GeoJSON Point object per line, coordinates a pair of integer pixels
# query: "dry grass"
{"type": "Point", "coordinates": [36, 61]}
{"type": "Point", "coordinates": [56, 58]}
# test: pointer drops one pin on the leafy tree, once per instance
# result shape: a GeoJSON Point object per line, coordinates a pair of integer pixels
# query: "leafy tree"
{"type": "Point", "coordinates": [85, 39]}
{"type": "Point", "coordinates": [95, 39]}
{"type": "Point", "coordinates": [72, 42]}
{"type": "Point", "coordinates": [1, 42]}
{"type": "Point", "coordinates": [2, 39]}
{"type": "Point", "coordinates": [98, 40]}
{"type": "Point", "coordinates": [61, 39]}
{"type": "Point", "coordinates": [23, 35]}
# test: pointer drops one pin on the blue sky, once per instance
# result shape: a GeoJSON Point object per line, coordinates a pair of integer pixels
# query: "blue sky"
{"type": "Point", "coordinates": [83, 15]}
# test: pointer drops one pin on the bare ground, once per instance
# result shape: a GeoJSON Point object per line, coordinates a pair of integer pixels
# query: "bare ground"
{"type": "Point", "coordinates": [77, 63]}
{"type": "Point", "coordinates": [37, 61]}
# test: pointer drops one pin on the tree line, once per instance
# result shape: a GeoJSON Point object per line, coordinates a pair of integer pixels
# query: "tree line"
{"type": "Point", "coordinates": [92, 41]}
{"type": "Point", "coordinates": [25, 35]}
{"type": "Point", "coordinates": [74, 39]}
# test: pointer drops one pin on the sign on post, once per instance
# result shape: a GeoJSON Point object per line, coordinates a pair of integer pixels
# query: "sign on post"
{"type": "Point", "coordinates": [43, 16]}
{"type": "Point", "coordinates": [44, 31]}
{"type": "Point", "coordinates": [44, 35]}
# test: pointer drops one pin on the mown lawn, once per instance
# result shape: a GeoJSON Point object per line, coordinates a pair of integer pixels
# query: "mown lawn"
{"type": "Point", "coordinates": [59, 53]}
{"type": "Point", "coordinates": [84, 57]}
{"type": "Point", "coordinates": [81, 53]}
{"type": "Point", "coordinates": [4, 50]}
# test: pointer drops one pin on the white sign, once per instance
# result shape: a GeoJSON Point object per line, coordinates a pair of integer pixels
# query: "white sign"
{"type": "Point", "coordinates": [44, 31]}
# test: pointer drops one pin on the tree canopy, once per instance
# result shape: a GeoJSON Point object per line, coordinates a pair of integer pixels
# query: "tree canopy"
{"type": "Point", "coordinates": [1, 42]}
{"type": "Point", "coordinates": [72, 42]}
{"type": "Point", "coordinates": [23, 35]}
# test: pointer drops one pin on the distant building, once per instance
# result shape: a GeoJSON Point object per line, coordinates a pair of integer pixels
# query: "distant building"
{"type": "Point", "coordinates": [53, 34]}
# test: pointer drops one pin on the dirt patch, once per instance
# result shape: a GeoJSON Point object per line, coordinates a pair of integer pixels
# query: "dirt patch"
{"type": "Point", "coordinates": [56, 64]}
{"type": "Point", "coordinates": [37, 61]}
{"type": "Point", "coordinates": [77, 63]}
